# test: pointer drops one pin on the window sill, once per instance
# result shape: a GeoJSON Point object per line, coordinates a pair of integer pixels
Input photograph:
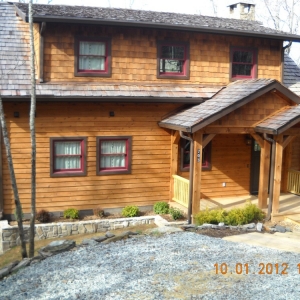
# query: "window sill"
{"type": "Point", "coordinates": [113, 172]}
{"type": "Point", "coordinates": [68, 174]}
{"type": "Point", "coordinates": [92, 74]}
{"type": "Point", "coordinates": [180, 77]}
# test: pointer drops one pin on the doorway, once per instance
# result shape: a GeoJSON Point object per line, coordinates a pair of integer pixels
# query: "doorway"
{"type": "Point", "coordinates": [255, 166]}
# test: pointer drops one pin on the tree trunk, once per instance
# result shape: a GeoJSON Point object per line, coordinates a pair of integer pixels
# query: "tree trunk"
{"type": "Point", "coordinates": [32, 136]}
{"type": "Point", "coordinates": [13, 181]}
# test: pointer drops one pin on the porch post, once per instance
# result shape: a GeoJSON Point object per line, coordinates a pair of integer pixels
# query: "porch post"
{"type": "Point", "coordinates": [198, 137]}
{"type": "Point", "coordinates": [175, 137]}
{"type": "Point", "coordinates": [277, 173]}
{"type": "Point", "coordinates": [264, 174]}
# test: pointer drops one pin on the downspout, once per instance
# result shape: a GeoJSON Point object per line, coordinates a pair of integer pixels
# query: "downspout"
{"type": "Point", "coordinates": [191, 174]}
{"type": "Point", "coordinates": [271, 181]}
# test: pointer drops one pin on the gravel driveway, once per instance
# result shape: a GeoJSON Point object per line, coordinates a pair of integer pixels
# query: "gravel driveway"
{"type": "Point", "coordinates": [173, 266]}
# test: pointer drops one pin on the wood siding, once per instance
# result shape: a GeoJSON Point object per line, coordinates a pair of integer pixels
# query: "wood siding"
{"type": "Point", "coordinates": [36, 42]}
{"type": "Point", "coordinates": [150, 178]}
{"type": "Point", "coordinates": [134, 53]}
{"type": "Point", "coordinates": [295, 164]}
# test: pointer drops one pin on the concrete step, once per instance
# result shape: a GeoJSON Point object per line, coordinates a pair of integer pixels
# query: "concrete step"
{"type": "Point", "coordinates": [273, 241]}
{"type": "Point", "coordinates": [295, 235]}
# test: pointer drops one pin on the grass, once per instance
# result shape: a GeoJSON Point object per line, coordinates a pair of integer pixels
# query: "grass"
{"type": "Point", "coordinates": [15, 253]}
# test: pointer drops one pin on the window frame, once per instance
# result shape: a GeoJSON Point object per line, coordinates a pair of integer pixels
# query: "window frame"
{"type": "Point", "coordinates": [205, 167]}
{"type": "Point", "coordinates": [186, 65]}
{"type": "Point", "coordinates": [96, 73]}
{"type": "Point", "coordinates": [114, 171]}
{"type": "Point", "coordinates": [66, 172]}
{"type": "Point", "coordinates": [254, 63]}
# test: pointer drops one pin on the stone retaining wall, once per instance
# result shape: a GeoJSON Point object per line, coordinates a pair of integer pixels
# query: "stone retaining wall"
{"type": "Point", "coordinates": [9, 235]}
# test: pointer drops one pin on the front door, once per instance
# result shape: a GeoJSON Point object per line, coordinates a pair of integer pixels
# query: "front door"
{"type": "Point", "coordinates": [255, 164]}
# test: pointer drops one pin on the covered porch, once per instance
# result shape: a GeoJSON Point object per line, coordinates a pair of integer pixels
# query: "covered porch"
{"type": "Point", "coordinates": [262, 109]}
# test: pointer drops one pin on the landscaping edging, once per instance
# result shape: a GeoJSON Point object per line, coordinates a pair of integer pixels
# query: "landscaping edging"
{"type": "Point", "coordinates": [9, 235]}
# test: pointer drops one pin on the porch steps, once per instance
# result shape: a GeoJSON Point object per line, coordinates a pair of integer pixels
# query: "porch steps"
{"type": "Point", "coordinates": [284, 242]}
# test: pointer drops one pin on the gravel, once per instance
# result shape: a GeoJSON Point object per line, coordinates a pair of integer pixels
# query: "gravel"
{"type": "Point", "coordinates": [171, 266]}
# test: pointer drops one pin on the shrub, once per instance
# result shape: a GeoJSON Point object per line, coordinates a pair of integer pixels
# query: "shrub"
{"type": "Point", "coordinates": [98, 212]}
{"type": "Point", "coordinates": [175, 213]}
{"type": "Point", "coordinates": [214, 216]}
{"type": "Point", "coordinates": [43, 216]}
{"type": "Point", "coordinates": [161, 208]}
{"type": "Point", "coordinates": [130, 211]}
{"type": "Point", "coordinates": [71, 213]}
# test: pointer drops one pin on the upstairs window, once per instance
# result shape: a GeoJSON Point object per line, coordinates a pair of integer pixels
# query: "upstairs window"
{"type": "Point", "coordinates": [68, 156]}
{"type": "Point", "coordinates": [173, 60]}
{"type": "Point", "coordinates": [113, 155]}
{"type": "Point", "coordinates": [92, 57]}
{"type": "Point", "coordinates": [185, 156]}
{"type": "Point", "coordinates": [243, 63]}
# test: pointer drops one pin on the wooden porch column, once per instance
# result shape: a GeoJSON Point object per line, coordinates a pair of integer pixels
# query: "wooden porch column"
{"type": "Point", "coordinates": [277, 173]}
{"type": "Point", "coordinates": [264, 174]}
{"type": "Point", "coordinates": [175, 137]}
{"type": "Point", "coordinates": [198, 137]}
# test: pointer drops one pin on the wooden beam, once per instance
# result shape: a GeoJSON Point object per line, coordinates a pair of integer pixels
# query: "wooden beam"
{"type": "Point", "coordinates": [277, 173]}
{"type": "Point", "coordinates": [1, 174]}
{"type": "Point", "coordinates": [207, 139]}
{"type": "Point", "coordinates": [264, 174]}
{"type": "Point", "coordinates": [258, 139]}
{"type": "Point", "coordinates": [198, 140]}
{"type": "Point", "coordinates": [286, 165]}
{"type": "Point", "coordinates": [228, 130]}
{"type": "Point", "coordinates": [287, 140]}
{"type": "Point", "coordinates": [175, 137]}
{"type": "Point", "coordinates": [292, 131]}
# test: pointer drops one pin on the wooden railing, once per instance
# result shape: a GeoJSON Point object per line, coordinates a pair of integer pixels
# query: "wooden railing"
{"type": "Point", "coordinates": [181, 190]}
{"type": "Point", "coordinates": [294, 182]}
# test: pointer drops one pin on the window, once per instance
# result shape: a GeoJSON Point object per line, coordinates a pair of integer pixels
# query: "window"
{"type": "Point", "coordinates": [173, 60]}
{"type": "Point", "coordinates": [243, 63]}
{"type": "Point", "coordinates": [114, 155]}
{"type": "Point", "coordinates": [92, 56]}
{"type": "Point", "coordinates": [185, 156]}
{"type": "Point", "coordinates": [68, 156]}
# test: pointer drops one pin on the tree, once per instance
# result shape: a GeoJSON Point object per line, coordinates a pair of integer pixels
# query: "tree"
{"type": "Point", "coordinates": [32, 134]}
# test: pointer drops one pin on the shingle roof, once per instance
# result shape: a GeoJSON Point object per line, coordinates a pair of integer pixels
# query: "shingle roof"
{"type": "Point", "coordinates": [291, 77]}
{"type": "Point", "coordinates": [281, 121]}
{"type": "Point", "coordinates": [141, 18]}
{"type": "Point", "coordinates": [230, 98]}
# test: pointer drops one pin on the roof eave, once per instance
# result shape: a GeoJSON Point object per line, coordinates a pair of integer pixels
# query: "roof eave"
{"type": "Point", "coordinates": [175, 127]}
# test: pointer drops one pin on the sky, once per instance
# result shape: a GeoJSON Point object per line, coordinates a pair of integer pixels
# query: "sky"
{"type": "Point", "coordinates": [203, 7]}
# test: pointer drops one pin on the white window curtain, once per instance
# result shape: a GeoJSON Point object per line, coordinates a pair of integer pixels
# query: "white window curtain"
{"type": "Point", "coordinates": [108, 160]}
{"type": "Point", "coordinates": [92, 56]}
{"type": "Point", "coordinates": [67, 148]}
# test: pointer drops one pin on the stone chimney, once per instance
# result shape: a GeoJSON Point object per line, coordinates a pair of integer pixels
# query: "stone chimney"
{"type": "Point", "coordinates": [242, 10]}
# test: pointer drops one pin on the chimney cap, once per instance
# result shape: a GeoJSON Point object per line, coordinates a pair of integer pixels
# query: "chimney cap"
{"type": "Point", "coordinates": [252, 2]}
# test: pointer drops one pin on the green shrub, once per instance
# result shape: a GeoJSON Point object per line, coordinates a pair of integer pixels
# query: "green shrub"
{"type": "Point", "coordinates": [214, 216]}
{"type": "Point", "coordinates": [71, 213]}
{"type": "Point", "coordinates": [43, 216]}
{"type": "Point", "coordinates": [253, 213]}
{"type": "Point", "coordinates": [161, 207]}
{"type": "Point", "coordinates": [130, 211]}
{"type": "Point", "coordinates": [236, 216]}
{"type": "Point", "coordinates": [175, 213]}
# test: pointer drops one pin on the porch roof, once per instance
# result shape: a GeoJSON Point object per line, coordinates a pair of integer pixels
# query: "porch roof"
{"type": "Point", "coordinates": [281, 121]}
{"type": "Point", "coordinates": [227, 100]}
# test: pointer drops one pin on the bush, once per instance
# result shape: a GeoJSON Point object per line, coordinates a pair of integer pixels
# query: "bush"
{"type": "Point", "coordinates": [214, 216]}
{"type": "Point", "coordinates": [98, 212]}
{"type": "Point", "coordinates": [71, 213]}
{"type": "Point", "coordinates": [161, 208]}
{"type": "Point", "coordinates": [175, 213]}
{"type": "Point", "coordinates": [130, 211]}
{"type": "Point", "coordinates": [43, 216]}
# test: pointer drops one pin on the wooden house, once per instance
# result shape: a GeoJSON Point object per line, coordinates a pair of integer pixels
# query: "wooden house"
{"type": "Point", "coordinates": [130, 104]}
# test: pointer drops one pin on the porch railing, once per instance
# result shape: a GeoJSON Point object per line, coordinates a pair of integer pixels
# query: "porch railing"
{"type": "Point", "coordinates": [181, 190]}
{"type": "Point", "coordinates": [294, 182]}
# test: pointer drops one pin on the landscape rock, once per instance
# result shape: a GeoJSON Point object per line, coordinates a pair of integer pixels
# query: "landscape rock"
{"type": "Point", "coordinates": [280, 228]}
{"type": "Point", "coordinates": [56, 247]}
{"type": "Point", "coordinates": [259, 226]}
{"type": "Point", "coordinates": [22, 264]}
{"type": "Point", "coordinates": [99, 239]}
{"type": "Point", "coordinates": [221, 224]}
{"type": "Point", "coordinates": [6, 270]}
{"type": "Point", "coordinates": [109, 234]}
{"type": "Point", "coordinates": [89, 242]}
{"type": "Point", "coordinates": [249, 226]}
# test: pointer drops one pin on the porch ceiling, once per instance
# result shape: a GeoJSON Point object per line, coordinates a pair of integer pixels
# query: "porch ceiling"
{"type": "Point", "coordinates": [227, 100]}
{"type": "Point", "coordinates": [281, 121]}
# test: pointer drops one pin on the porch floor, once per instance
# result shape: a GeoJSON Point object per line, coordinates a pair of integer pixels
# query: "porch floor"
{"type": "Point", "coordinates": [289, 205]}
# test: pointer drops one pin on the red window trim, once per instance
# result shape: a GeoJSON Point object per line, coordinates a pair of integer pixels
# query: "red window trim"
{"type": "Point", "coordinates": [116, 170]}
{"type": "Point", "coordinates": [68, 172]}
{"type": "Point", "coordinates": [186, 65]}
{"type": "Point", "coordinates": [254, 63]}
{"type": "Point", "coordinates": [99, 73]}
{"type": "Point", "coordinates": [206, 166]}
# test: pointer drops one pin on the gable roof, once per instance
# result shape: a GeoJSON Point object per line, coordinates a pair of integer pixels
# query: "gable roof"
{"type": "Point", "coordinates": [291, 75]}
{"type": "Point", "coordinates": [281, 121]}
{"type": "Point", "coordinates": [152, 19]}
{"type": "Point", "coordinates": [230, 98]}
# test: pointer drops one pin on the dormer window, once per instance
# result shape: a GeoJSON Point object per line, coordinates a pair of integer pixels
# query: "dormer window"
{"type": "Point", "coordinates": [243, 63]}
{"type": "Point", "coordinates": [92, 57]}
{"type": "Point", "coordinates": [173, 60]}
